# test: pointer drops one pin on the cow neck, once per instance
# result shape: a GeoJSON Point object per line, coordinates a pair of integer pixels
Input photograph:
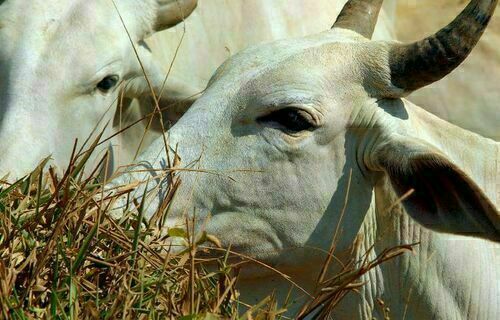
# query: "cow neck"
{"type": "Point", "coordinates": [456, 269]}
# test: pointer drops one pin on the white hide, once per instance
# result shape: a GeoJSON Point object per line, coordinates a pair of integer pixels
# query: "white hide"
{"type": "Point", "coordinates": [51, 59]}
{"type": "Point", "coordinates": [275, 195]}
{"type": "Point", "coordinates": [218, 29]}
{"type": "Point", "coordinates": [53, 55]}
{"type": "Point", "coordinates": [205, 42]}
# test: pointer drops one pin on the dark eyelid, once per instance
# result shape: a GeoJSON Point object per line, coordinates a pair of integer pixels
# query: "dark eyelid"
{"type": "Point", "coordinates": [289, 119]}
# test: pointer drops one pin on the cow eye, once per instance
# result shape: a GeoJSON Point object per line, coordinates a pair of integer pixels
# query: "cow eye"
{"type": "Point", "coordinates": [289, 119]}
{"type": "Point", "coordinates": [108, 83]}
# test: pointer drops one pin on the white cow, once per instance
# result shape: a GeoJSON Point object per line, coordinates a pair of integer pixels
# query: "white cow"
{"type": "Point", "coordinates": [285, 130]}
{"type": "Point", "coordinates": [50, 63]}
{"type": "Point", "coordinates": [220, 28]}
{"type": "Point", "coordinates": [217, 29]}
{"type": "Point", "coordinates": [61, 63]}
{"type": "Point", "coordinates": [206, 43]}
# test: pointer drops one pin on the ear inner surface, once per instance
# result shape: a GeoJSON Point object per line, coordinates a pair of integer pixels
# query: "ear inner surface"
{"type": "Point", "coordinates": [444, 198]}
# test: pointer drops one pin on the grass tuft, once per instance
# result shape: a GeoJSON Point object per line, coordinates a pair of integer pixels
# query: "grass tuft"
{"type": "Point", "coordinates": [62, 256]}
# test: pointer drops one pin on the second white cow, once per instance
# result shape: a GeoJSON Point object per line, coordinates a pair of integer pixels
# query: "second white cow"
{"type": "Point", "coordinates": [61, 66]}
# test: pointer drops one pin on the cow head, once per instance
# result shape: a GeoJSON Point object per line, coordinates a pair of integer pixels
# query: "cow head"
{"type": "Point", "coordinates": [292, 137]}
{"type": "Point", "coordinates": [61, 66]}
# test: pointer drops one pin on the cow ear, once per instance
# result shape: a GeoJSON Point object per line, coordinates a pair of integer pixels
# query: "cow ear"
{"type": "Point", "coordinates": [151, 74]}
{"type": "Point", "coordinates": [174, 94]}
{"type": "Point", "coordinates": [444, 198]}
{"type": "Point", "coordinates": [171, 12]}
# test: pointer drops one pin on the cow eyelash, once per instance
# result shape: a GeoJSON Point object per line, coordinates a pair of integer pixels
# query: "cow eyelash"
{"type": "Point", "coordinates": [291, 120]}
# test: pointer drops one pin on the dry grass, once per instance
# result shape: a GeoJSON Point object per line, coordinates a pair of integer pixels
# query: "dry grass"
{"type": "Point", "coordinates": [63, 257]}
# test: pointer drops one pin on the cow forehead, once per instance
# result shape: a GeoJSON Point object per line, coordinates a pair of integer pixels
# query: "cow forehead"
{"type": "Point", "coordinates": [52, 19]}
{"type": "Point", "coordinates": [258, 59]}
{"type": "Point", "coordinates": [298, 71]}
{"type": "Point", "coordinates": [38, 15]}
{"type": "Point", "coordinates": [42, 22]}
{"type": "Point", "coordinates": [59, 36]}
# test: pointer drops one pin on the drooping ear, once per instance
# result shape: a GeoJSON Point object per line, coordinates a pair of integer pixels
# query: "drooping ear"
{"type": "Point", "coordinates": [174, 95]}
{"type": "Point", "coordinates": [171, 12]}
{"type": "Point", "coordinates": [444, 198]}
{"type": "Point", "coordinates": [152, 73]}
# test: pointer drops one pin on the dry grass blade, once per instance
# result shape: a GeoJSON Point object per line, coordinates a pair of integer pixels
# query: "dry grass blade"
{"type": "Point", "coordinates": [334, 290]}
{"type": "Point", "coordinates": [62, 256]}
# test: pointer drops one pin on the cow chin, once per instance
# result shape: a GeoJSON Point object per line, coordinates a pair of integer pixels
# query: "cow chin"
{"type": "Point", "coordinates": [246, 235]}
{"type": "Point", "coordinates": [254, 240]}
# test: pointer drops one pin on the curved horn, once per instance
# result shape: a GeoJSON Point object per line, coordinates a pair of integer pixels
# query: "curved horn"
{"type": "Point", "coordinates": [416, 65]}
{"type": "Point", "coordinates": [359, 16]}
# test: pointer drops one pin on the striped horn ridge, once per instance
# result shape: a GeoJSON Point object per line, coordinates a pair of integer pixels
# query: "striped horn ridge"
{"type": "Point", "coordinates": [421, 63]}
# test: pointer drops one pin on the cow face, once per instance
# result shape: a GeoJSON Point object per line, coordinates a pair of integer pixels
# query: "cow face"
{"type": "Point", "coordinates": [62, 64]}
{"type": "Point", "coordinates": [274, 120]}
{"type": "Point", "coordinates": [291, 139]}
{"type": "Point", "coordinates": [273, 138]}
